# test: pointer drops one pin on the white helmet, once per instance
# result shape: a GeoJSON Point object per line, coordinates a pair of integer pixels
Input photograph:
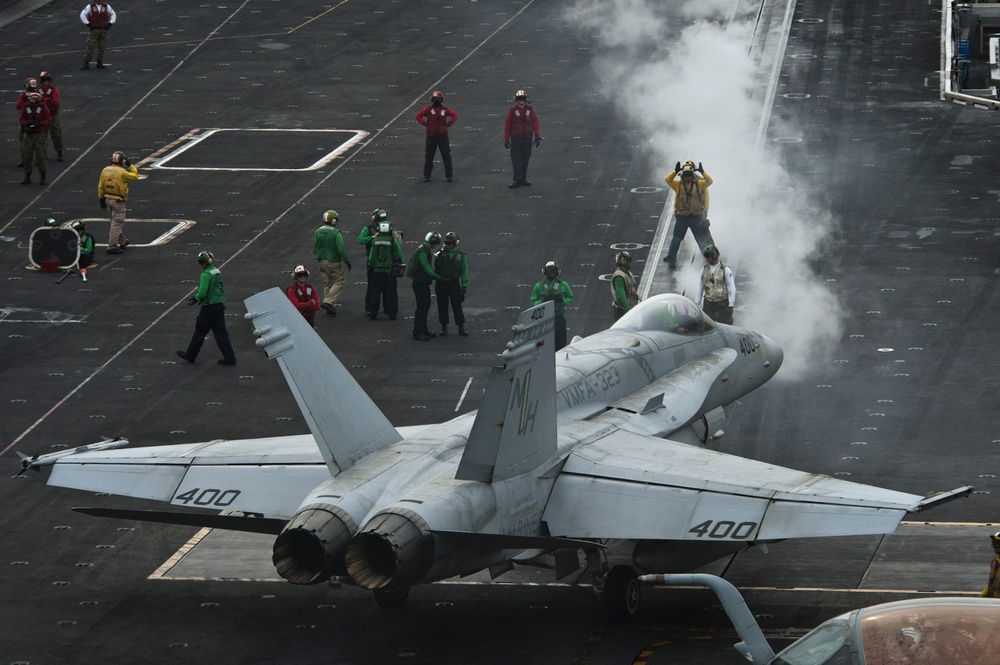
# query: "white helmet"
{"type": "Point", "coordinates": [300, 270]}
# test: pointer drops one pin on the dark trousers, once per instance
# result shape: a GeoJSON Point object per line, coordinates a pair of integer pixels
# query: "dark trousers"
{"type": "Point", "coordinates": [520, 153]}
{"type": "Point", "coordinates": [422, 294]}
{"type": "Point", "coordinates": [211, 318]}
{"type": "Point", "coordinates": [449, 292]}
{"type": "Point", "coordinates": [702, 236]}
{"type": "Point", "coordinates": [720, 312]}
{"type": "Point", "coordinates": [560, 324]}
{"type": "Point", "coordinates": [437, 143]}
{"type": "Point", "coordinates": [382, 288]}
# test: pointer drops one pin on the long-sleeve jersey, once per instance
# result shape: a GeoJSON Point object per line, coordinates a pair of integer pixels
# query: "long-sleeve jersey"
{"type": "Point", "coordinates": [522, 123]}
{"type": "Point", "coordinates": [437, 119]}
{"type": "Point", "coordinates": [114, 180]}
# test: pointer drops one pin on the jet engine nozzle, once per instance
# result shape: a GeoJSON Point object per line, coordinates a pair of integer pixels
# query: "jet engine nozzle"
{"type": "Point", "coordinates": [311, 548]}
{"type": "Point", "coordinates": [395, 548]}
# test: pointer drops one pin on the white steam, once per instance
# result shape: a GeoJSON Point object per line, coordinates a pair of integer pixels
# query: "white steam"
{"type": "Point", "coordinates": [682, 73]}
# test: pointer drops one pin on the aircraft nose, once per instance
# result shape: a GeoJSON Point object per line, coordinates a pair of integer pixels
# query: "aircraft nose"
{"type": "Point", "coordinates": [773, 353]}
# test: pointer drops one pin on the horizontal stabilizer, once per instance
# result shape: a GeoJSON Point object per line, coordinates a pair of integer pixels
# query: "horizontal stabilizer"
{"type": "Point", "coordinates": [500, 541]}
{"type": "Point", "coordinates": [210, 520]}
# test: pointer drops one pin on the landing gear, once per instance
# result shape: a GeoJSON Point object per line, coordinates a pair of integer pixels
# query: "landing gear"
{"type": "Point", "coordinates": [618, 586]}
{"type": "Point", "coordinates": [621, 594]}
{"type": "Point", "coordinates": [391, 598]}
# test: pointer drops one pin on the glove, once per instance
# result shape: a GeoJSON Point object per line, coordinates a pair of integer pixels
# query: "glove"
{"type": "Point", "coordinates": [677, 166]}
{"type": "Point", "coordinates": [506, 143]}
{"type": "Point", "coordinates": [701, 169]}
{"type": "Point", "coordinates": [104, 203]}
{"type": "Point", "coordinates": [538, 141]}
{"type": "Point", "coordinates": [348, 266]}
{"type": "Point", "coordinates": [192, 301]}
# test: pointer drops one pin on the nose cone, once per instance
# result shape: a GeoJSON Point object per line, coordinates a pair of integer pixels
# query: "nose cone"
{"type": "Point", "coordinates": [773, 354]}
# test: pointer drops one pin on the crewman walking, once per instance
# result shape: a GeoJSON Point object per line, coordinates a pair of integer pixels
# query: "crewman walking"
{"type": "Point", "coordinates": [50, 94]}
{"type": "Point", "coordinates": [211, 296]}
{"type": "Point", "coordinates": [328, 246]}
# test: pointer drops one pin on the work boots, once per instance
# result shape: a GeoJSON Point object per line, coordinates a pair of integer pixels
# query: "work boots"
{"type": "Point", "coordinates": [461, 331]}
{"type": "Point", "coordinates": [100, 65]}
{"type": "Point", "coordinates": [86, 65]}
{"type": "Point", "coordinates": [27, 179]}
{"type": "Point", "coordinates": [42, 181]}
{"type": "Point", "coordinates": [444, 331]}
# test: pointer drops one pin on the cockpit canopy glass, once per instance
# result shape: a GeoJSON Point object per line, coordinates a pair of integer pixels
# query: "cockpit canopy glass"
{"type": "Point", "coordinates": [911, 632]}
{"type": "Point", "coordinates": [669, 312]}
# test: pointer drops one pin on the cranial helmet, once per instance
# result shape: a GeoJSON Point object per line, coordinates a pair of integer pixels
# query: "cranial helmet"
{"type": "Point", "coordinates": [30, 83]}
{"type": "Point", "coordinates": [330, 217]}
{"type": "Point", "coordinates": [384, 227]}
{"type": "Point", "coordinates": [45, 75]}
{"type": "Point", "coordinates": [78, 225]}
{"type": "Point", "coordinates": [300, 270]}
{"type": "Point", "coordinates": [437, 94]}
{"type": "Point", "coordinates": [711, 252]}
{"type": "Point", "coordinates": [379, 215]}
{"type": "Point", "coordinates": [206, 256]}
{"type": "Point", "coordinates": [451, 235]}
{"type": "Point", "coordinates": [433, 238]}
{"type": "Point", "coordinates": [687, 168]}
{"type": "Point", "coordinates": [551, 266]}
{"type": "Point", "coordinates": [118, 157]}
{"type": "Point", "coordinates": [34, 97]}
{"type": "Point", "coordinates": [51, 221]}
{"type": "Point", "coordinates": [521, 94]}
{"type": "Point", "coordinates": [623, 257]}
{"type": "Point", "coordinates": [995, 537]}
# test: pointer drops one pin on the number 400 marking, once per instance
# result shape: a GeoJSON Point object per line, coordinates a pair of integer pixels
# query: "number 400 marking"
{"type": "Point", "coordinates": [725, 529]}
{"type": "Point", "coordinates": [208, 497]}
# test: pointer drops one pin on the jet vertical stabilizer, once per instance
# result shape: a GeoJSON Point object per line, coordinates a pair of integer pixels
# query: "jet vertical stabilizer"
{"type": "Point", "coordinates": [344, 421]}
{"type": "Point", "coordinates": [515, 429]}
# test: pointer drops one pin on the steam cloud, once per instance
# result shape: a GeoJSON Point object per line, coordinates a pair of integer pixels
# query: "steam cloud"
{"type": "Point", "coordinates": [682, 73]}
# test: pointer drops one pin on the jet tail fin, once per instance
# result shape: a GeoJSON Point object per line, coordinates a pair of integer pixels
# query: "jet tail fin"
{"type": "Point", "coordinates": [515, 429]}
{"type": "Point", "coordinates": [345, 422]}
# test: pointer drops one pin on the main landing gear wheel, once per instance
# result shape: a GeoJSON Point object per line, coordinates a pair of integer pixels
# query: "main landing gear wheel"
{"type": "Point", "coordinates": [391, 598]}
{"type": "Point", "coordinates": [621, 594]}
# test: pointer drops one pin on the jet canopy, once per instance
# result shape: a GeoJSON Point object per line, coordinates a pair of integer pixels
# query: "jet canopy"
{"type": "Point", "coordinates": [945, 630]}
{"type": "Point", "coordinates": [669, 312]}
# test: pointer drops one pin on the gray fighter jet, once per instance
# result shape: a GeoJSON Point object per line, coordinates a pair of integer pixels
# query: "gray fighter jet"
{"type": "Point", "coordinates": [601, 441]}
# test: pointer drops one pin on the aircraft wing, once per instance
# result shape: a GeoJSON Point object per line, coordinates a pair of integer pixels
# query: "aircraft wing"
{"type": "Point", "coordinates": [270, 475]}
{"type": "Point", "coordinates": [630, 486]}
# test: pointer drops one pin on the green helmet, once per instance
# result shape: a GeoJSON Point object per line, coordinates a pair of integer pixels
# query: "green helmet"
{"type": "Point", "coordinates": [433, 238]}
{"type": "Point", "coordinates": [78, 225]}
{"type": "Point", "coordinates": [623, 257]}
{"type": "Point", "coordinates": [51, 221]}
{"type": "Point", "coordinates": [379, 215]}
{"type": "Point", "coordinates": [206, 256]}
{"type": "Point", "coordinates": [330, 217]}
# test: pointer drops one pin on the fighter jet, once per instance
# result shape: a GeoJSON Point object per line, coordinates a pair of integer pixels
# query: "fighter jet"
{"type": "Point", "coordinates": [600, 442]}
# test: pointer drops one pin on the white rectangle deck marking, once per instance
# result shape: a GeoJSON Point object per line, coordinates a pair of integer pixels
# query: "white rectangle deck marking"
{"type": "Point", "coordinates": [357, 135]}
